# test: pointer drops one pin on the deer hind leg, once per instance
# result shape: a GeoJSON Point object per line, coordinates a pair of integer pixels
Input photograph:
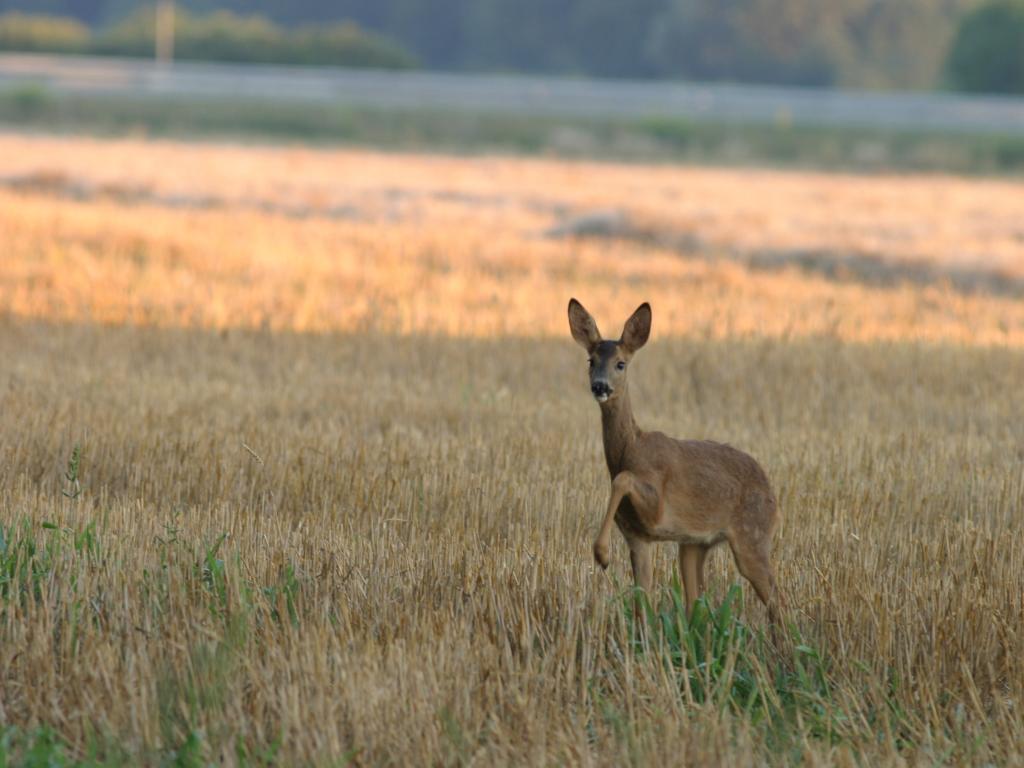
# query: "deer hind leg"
{"type": "Point", "coordinates": [645, 501]}
{"type": "Point", "coordinates": [755, 565]}
{"type": "Point", "coordinates": [691, 572]}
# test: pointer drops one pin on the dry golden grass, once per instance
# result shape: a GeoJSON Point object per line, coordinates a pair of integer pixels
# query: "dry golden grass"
{"type": "Point", "coordinates": [406, 573]}
{"type": "Point", "coordinates": [436, 501]}
{"type": "Point", "coordinates": [219, 236]}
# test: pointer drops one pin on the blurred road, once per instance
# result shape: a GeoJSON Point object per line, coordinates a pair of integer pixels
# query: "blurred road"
{"type": "Point", "coordinates": [517, 94]}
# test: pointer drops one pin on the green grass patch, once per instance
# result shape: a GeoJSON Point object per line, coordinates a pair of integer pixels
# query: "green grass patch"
{"type": "Point", "coordinates": [719, 660]}
{"type": "Point", "coordinates": [29, 556]}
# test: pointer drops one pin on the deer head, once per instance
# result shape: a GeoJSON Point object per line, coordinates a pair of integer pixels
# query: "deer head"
{"type": "Point", "coordinates": [609, 360]}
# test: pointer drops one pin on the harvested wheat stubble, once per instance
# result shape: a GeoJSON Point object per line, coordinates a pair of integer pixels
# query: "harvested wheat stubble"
{"type": "Point", "coordinates": [406, 572]}
{"type": "Point", "coordinates": [280, 483]}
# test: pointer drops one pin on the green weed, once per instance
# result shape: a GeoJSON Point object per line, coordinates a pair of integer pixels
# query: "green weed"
{"type": "Point", "coordinates": [718, 659]}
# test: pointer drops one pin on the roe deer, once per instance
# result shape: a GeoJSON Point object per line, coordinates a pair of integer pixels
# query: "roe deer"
{"type": "Point", "coordinates": [694, 492]}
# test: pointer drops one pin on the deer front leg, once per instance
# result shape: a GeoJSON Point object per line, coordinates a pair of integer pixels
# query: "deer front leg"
{"type": "Point", "coordinates": [641, 557]}
{"type": "Point", "coordinates": [620, 487]}
{"type": "Point", "coordinates": [642, 560]}
{"type": "Point", "coordinates": [644, 501]}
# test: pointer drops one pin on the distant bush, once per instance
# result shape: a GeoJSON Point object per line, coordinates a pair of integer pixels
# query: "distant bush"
{"type": "Point", "coordinates": [221, 36]}
{"type": "Point", "coordinates": [224, 36]}
{"type": "Point", "coordinates": [345, 44]}
{"type": "Point", "coordinates": [22, 32]}
{"type": "Point", "coordinates": [987, 54]}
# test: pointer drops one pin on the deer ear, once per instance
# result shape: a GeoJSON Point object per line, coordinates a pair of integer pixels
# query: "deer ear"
{"type": "Point", "coordinates": [638, 328]}
{"type": "Point", "coordinates": [583, 327]}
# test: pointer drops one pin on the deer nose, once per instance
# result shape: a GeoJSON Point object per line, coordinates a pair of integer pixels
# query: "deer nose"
{"type": "Point", "coordinates": [600, 388]}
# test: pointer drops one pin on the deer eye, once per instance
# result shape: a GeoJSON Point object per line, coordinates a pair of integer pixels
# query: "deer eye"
{"type": "Point", "coordinates": [620, 365]}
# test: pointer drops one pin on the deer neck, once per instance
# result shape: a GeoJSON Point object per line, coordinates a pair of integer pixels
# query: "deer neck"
{"type": "Point", "coordinates": [619, 430]}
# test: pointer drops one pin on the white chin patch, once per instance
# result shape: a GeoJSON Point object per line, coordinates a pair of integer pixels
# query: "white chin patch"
{"type": "Point", "coordinates": [601, 398]}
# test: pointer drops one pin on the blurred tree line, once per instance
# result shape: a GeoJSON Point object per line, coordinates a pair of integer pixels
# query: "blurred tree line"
{"type": "Point", "coordinates": [217, 36]}
{"type": "Point", "coordinates": [852, 43]}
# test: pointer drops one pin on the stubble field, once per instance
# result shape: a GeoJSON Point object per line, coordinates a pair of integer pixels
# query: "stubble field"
{"type": "Point", "coordinates": [299, 465]}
